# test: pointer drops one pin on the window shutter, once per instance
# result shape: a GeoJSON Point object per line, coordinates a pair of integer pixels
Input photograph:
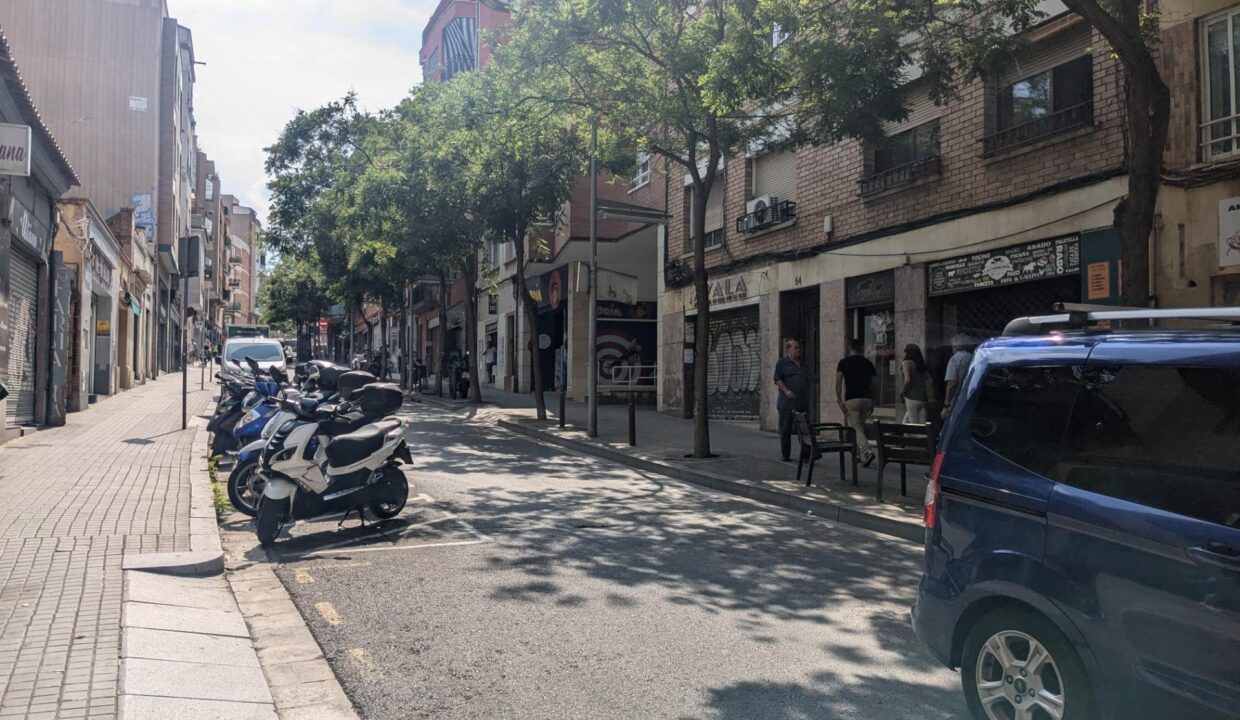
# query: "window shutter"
{"type": "Point", "coordinates": [714, 206]}
{"type": "Point", "coordinates": [776, 174]}
{"type": "Point", "coordinates": [1058, 49]}
{"type": "Point", "coordinates": [921, 110]}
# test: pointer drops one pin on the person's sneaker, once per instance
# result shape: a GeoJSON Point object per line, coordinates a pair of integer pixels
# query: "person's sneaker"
{"type": "Point", "coordinates": [868, 459]}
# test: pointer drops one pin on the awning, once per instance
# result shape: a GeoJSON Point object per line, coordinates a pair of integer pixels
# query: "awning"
{"type": "Point", "coordinates": [133, 304]}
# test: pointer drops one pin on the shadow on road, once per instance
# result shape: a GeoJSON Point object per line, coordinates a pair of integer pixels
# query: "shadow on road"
{"type": "Point", "coordinates": [829, 697]}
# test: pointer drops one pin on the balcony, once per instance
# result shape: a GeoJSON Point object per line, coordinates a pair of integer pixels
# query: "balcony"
{"type": "Point", "coordinates": [777, 214]}
{"type": "Point", "coordinates": [234, 283]}
{"type": "Point", "coordinates": [899, 175]}
{"type": "Point", "coordinates": [1077, 116]}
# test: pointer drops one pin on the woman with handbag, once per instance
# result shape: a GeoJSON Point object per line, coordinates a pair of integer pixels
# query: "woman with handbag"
{"type": "Point", "coordinates": [916, 384]}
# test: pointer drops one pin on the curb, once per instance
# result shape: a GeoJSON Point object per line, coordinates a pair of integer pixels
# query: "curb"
{"type": "Point", "coordinates": [829, 511]}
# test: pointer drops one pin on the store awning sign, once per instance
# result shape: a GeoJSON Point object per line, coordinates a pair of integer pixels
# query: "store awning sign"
{"type": "Point", "coordinates": [1038, 260]}
{"type": "Point", "coordinates": [15, 145]}
{"type": "Point", "coordinates": [1229, 232]}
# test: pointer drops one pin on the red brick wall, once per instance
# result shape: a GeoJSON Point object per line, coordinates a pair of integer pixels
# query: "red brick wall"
{"type": "Point", "coordinates": [827, 176]}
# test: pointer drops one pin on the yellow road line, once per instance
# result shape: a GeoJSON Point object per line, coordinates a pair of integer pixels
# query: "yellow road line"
{"type": "Point", "coordinates": [302, 576]}
{"type": "Point", "coordinates": [328, 611]}
{"type": "Point", "coordinates": [364, 664]}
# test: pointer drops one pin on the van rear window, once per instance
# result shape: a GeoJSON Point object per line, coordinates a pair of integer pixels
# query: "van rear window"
{"type": "Point", "coordinates": [1022, 413]}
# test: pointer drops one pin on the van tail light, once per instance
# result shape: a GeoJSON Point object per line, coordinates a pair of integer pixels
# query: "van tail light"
{"type": "Point", "coordinates": [931, 513]}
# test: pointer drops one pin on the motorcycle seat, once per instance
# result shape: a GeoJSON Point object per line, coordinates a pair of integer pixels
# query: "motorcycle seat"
{"type": "Point", "coordinates": [342, 425]}
{"type": "Point", "coordinates": [354, 446]}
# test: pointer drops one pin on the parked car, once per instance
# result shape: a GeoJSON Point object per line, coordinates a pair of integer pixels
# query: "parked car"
{"type": "Point", "coordinates": [1083, 526]}
{"type": "Point", "coordinates": [267, 352]}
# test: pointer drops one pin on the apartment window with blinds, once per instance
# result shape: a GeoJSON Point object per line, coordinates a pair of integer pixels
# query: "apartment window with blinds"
{"type": "Point", "coordinates": [714, 217]}
{"type": "Point", "coordinates": [775, 174]}
{"type": "Point", "coordinates": [1043, 104]}
{"type": "Point", "coordinates": [1220, 45]}
{"type": "Point", "coordinates": [905, 157]}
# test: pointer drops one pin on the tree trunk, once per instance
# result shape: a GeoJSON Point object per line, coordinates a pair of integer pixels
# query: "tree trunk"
{"type": "Point", "coordinates": [383, 343]}
{"type": "Point", "coordinates": [471, 327]}
{"type": "Point", "coordinates": [531, 318]}
{"type": "Point", "coordinates": [1149, 111]}
{"type": "Point", "coordinates": [701, 331]}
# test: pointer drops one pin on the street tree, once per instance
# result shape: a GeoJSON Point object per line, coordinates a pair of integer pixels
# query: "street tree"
{"type": "Point", "coordinates": [693, 82]}
{"type": "Point", "coordinates": [295, 293]}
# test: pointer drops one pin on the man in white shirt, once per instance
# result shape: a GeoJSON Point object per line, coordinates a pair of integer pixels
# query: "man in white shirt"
{"type": "Point", "coordinates": [957, 368]}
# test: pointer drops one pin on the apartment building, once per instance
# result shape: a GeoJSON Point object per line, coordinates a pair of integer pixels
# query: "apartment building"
{"type": "Point", "coordinates": [966, 215]}
{"type": "Point", "coordinates": [241, 242]}
{"type": "Point", "coordinates": [132, 133]}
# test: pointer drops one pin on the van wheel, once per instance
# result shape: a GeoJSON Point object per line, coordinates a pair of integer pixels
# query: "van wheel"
{"type": "Point", "coordinates": [1016, 665]}
{"type": "Point", "coordinates": [271, 515]}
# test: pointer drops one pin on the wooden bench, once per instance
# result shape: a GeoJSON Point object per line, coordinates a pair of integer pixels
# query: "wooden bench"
{"type": "Point", "coordinates": [904, 444]}
{"type": "Point", "coordinates": [820, 439]}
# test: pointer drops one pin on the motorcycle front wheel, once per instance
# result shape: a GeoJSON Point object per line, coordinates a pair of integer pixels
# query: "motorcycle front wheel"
{"type": "Point", "coordinates": [271, 516]}
{"type": "Point", "coordinates": [394, 489]}
{"type": "Point", "coordinates": [245, 487]}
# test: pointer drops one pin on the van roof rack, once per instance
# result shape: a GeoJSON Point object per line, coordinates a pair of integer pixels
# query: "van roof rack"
{"type": "Point", "coordinates": [1074, 316]}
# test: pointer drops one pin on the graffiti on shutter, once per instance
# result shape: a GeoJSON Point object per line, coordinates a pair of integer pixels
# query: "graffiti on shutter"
{"type": "Point", "coordinates": [733, 373]}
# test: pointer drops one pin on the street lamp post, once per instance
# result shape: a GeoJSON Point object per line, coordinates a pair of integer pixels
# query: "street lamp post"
{"type": "Point", "coordinates": [592, 349]}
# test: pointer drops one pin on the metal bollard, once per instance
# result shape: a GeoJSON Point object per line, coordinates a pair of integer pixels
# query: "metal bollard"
{"type": "Point", "coordinates": [563, 401]}
{"type": "Point", "coordinates": [632, 418]}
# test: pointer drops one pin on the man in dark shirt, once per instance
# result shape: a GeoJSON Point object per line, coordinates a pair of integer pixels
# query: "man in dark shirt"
{"type": "Point", "coordinates": [854, 391]}
{"type": "Point", "coordinates": [793, 384]}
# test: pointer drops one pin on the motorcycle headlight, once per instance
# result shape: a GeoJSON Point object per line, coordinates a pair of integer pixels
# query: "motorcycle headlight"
{"type": "Point", "coordinates": [250, 417]}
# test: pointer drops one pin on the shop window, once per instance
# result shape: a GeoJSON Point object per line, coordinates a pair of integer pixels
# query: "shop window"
{"type": "Point", "coordinates": [1220, 43]}
{"type": "Point", "coordinates": [876, 327]}
{"type": "Point", "coordinates": [1044, 104]}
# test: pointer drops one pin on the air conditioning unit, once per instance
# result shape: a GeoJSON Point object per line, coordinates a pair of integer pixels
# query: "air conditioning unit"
{"type": "Point", "coordinates": [760, 212]}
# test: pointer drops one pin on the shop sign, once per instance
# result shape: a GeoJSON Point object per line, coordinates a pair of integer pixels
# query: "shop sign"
{"type": "Point", "coordinates": [100, 270]}
{"type": "Point", "coordinates": [875, 289]}
{"type": "Point", "coordinates": [103, 327]}
{"type": "Point", "coordinates": [29, 229]}
{"type": "Point", "coordinates": [624, 311]}
{"type": "Point", "coordinates": [15, 145]}
{"type": "Point", "coordinates": [1229, 232]}
{"type": "Point", "coordinates": [492, 304]}
{"type": "Point", "coordinates": [1021, 263]}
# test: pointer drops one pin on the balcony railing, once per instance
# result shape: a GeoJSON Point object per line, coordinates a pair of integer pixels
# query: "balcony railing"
{"type": "Point", "coordinates": [1067, 119]}
{"type": "Point", "coordinates": [777, 214]}
{"type": "Point", "coordinates": [1220, 138]}
{"type": "Point", "coordinates": [234, 283]}
{"type": "Point", "coordinates": [901, 175]}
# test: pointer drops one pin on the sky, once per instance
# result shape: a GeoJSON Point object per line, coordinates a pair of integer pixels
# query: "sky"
{"type": "Point", "coordinates": [265, 59]}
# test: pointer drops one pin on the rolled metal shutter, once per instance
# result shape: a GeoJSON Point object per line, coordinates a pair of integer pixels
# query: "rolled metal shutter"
{"type": "Point", "coordinates": [921, 109]}
{"type": "Point", "coordinates": [776, 174]}
{"type": "Point", "coordinates": [1064, 46]}
{"type": "Point", "coordinates": [734, 369]}
{"type": "Point", "coordinates": [23, 333]}
{"type": "Point", "coordinates": [714, 205]}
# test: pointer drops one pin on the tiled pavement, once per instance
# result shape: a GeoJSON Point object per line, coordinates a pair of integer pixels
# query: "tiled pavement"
{"type": "Point", "coordinates": [73, 501]}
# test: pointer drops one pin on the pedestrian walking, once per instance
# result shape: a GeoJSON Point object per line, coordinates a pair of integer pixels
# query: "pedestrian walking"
{"type": "Point", "coordinates": [916, 384]}
{"type": "Point", "coordinates": [957, 368]}
{"type": "Point", "coordinates": [854, 391]}
{"type": "Point", "coordinates": [793, 384]}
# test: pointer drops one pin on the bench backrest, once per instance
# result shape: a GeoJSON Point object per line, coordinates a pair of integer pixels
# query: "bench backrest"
{"type": "Point", "coordinates": [800, 422]}
{"type": "Point", "coordinates": [898, 442]}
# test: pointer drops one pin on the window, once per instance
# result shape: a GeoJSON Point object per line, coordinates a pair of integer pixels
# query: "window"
{"type": "Point", "coordinates": [1022, 413]}
{"type": "Point", "coordinates": [775, 173]}
{"type": "Point", "coordinates": [1220, 41]}
{"type": "Point", "coordinates": [1163, 437]}
{"type": "Point", "coordinates": [641, 178]}
{"type": "Point", "coordinates": [1057, 90]}
{"type": "Point", "coordinates": [908, 147]}
{"type": "Point", "coordinates": [714, 217]}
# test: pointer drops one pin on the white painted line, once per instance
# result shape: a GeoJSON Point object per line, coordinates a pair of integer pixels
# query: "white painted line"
{"type": "Point", "coordinates": [394, 548]}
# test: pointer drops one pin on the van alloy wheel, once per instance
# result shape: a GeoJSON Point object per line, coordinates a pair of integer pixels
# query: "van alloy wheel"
{"type": "Point", "coordinates": [1018, 679]}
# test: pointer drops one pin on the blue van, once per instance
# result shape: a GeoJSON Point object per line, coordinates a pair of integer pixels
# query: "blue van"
{"type": "Point", "coordinates": [1083, 524]}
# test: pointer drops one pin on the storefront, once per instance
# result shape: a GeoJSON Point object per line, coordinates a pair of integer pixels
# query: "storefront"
{"type": "Point", "coordinates": [101, 269]}
{"type": "Point", "coordinates": [871, 318]}
{"type": "Point", "coordinates": [31, 240]}
{"type": "Point", "coordinates": [979, 294]}
{"type": "Point", "coordinates": [734, 351]}
{"type": "Point", "coordinates": [552, 334]}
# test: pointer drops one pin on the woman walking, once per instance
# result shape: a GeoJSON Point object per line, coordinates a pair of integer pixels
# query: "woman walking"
{"type": "Point", "coordinates": [915, 384]}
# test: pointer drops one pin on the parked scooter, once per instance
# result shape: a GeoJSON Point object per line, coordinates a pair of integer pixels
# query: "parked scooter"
{"type": "Point", "coordinates": [360, 470]}
{"type": "Point", "coordinates": [246, 481]}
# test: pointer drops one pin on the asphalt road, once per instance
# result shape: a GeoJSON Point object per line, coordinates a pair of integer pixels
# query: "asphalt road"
{"type": "Point", "coordinates": [523, 582]}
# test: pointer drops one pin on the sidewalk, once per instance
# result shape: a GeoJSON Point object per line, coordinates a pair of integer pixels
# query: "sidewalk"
{"type": "Point", "coordinates": [747, 462]}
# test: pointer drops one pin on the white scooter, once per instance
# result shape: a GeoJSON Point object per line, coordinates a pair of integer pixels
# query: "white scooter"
{"type": "Point", "coordinates": [358, 470]}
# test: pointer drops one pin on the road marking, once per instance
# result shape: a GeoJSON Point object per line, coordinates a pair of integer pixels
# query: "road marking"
{"type": "Point", "coordinates": [364, 664]}
{"type": "Point", "coordinates": [423, 497]}
{"type": "Point", "coordinates": [303, 576]}
{"type": "Point", "coordinates": [380, 530]}
{"type": "Point", "coordinates": [328, 611]}
{"type": "Point", "coordinates": [394, 548]}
